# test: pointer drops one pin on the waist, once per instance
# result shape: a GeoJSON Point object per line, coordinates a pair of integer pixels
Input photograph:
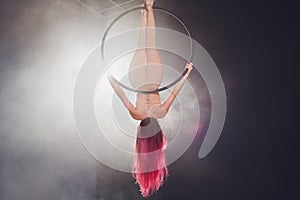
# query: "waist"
{"type": "Point", "coordinates": [148, 99]}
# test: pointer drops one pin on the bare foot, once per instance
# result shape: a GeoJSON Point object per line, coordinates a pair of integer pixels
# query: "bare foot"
{"type": "Point", "coordinates": [143, 11]}
{"type": "Point", "coordinates": [149, 5]}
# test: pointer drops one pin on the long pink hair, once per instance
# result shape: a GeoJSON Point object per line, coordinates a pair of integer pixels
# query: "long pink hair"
{"type": "Point", "coordinates": [149, 165]}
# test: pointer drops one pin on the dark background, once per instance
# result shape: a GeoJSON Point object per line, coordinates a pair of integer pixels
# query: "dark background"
{"type": "Point", "coordinates": [253, 43]}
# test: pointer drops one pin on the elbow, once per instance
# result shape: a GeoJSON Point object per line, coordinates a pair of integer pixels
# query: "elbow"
{"type": "Point", "coordinates": [135, 116]}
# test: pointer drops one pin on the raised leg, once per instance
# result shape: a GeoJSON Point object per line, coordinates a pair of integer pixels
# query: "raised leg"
{"type": "Point", "coordinates": [137, 73]}
{"type": "Point", "coordinates": [154, 67]}
{"type": "Point", "coordinates": [145, 71]}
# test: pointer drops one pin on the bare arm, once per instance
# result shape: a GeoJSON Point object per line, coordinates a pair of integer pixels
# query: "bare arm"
{"type": "Point", "coordinates": [132, 110]}
{"type": "Point", "coordinates": [169, 101]}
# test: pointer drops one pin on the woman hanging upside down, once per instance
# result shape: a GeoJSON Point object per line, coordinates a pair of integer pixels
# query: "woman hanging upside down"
{"type": "Point", "coordinates": [145, 73]}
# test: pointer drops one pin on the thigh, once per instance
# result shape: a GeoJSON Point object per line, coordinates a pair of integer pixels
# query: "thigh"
{"type": "Point", "coordinates": [154, 75]}
{"type": "Point", "coordinates": [153, 56]}
{"type": "Point", "coordinates": [154, 68]}
{"type": "Point", "coordinates": [146, 77]}
{"type": "Point", "coordinates": [138, 59]}
{"type": "Point", "coordinates": [136, 71]}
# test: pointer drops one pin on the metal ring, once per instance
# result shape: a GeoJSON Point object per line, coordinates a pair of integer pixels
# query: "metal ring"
{"type": "Point", "coordinates": [154, 8]}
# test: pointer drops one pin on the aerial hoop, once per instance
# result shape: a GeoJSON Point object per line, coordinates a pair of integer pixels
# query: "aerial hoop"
{"type": "Point", "coordinates": [154, 8]}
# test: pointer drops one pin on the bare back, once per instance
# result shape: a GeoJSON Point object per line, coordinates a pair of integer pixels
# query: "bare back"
{"type": "Point", "coordinates": [150, 105]}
